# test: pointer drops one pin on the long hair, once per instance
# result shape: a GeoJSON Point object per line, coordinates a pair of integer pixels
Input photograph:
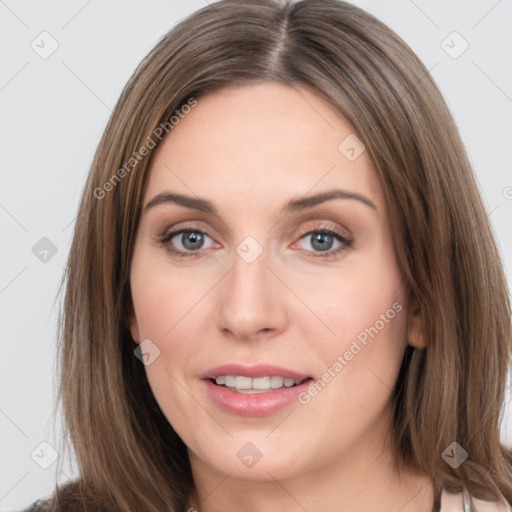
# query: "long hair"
{"type": "Point", "coordinates": [129, 457]}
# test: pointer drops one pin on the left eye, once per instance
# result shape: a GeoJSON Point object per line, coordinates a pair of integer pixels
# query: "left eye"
{"type": "Point", "coordinates": [324, 240]}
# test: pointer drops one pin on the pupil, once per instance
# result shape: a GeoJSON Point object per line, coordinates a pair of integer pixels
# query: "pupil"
{"type": "Point", "coordinates": [322, 241]}
{"type": "Point", "coordinates": [192, 240]}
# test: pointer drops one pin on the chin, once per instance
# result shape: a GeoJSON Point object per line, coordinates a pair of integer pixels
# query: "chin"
{"type": "Point", "coordinates": [252, 462]}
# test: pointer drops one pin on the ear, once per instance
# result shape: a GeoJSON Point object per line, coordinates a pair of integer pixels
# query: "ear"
{"type": "Point", "coordinates": [416, 333]}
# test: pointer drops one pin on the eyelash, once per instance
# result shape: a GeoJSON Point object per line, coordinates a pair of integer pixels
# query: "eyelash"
{"type": "Point", "coordinates": [346, 243]}
{"type": "Point", "coordinates": [164, 240]}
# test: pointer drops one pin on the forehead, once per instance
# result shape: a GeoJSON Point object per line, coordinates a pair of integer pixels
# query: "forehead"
{"type": "Point", "coordinates": [261, 142]}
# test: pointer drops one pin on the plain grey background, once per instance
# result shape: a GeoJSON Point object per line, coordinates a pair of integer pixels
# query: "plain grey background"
{"type": "Point", "coordinates": [54, 107]}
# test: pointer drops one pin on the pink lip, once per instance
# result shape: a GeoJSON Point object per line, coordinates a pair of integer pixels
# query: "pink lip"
{"type": "Point", "coordinates": [258, 370]}
{"type": "Point", "coordinates": [257, 404]}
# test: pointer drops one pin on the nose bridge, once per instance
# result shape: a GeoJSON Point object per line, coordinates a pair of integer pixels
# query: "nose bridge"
{"type": "Point", "coordinates": [250, 273]}
{"type": "Point", "coordinates": [250, 302]}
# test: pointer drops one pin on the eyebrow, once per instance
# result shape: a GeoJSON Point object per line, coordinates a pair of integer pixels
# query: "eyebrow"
{"type": "Point", "coordinates": [293, 205]}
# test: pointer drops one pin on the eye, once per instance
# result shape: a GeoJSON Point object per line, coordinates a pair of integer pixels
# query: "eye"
{"type": "Point", "coordinates": [321, 241]}
{"type": "Point", "coordinates": [186, 242]}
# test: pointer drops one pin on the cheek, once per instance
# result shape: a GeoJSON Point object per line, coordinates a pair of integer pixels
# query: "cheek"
{"type": "Point", "coordinates": [163, 299]}
{"type": "Point", "coordinates": [353, 299]}
{"type": "Point", "coordinates": [362, 333]}
{"type": "Point", "coordinates": [173, 310]}
{"type": "Point", "coordinates": [168, 306]}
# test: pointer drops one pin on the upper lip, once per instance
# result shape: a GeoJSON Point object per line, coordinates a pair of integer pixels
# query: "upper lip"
{"type": "Point", "coordinates": [253, 371]}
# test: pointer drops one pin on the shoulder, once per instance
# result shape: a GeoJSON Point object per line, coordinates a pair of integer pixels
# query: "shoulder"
{"type": "Point", "coordinates": [455, 503]}
{"type": "Point", "coordinates": [70, 496]}
{"type": "Point", "coordinates": [37, 506]}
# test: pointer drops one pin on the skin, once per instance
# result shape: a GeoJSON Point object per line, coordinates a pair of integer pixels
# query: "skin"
{"type": "Point", "coordinates": [249, 149]}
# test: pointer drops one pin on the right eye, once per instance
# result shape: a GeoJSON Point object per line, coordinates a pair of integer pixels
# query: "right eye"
{"type": "Point", "coordinates": [185, 242]}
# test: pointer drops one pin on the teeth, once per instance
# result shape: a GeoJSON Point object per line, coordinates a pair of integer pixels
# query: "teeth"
{"type": "Point", "coordinates": [288, 383]}
{"type": "Point", "coordinates": [243, 383]}
{"type": "Point", "coordinates": [261, 383]}
{"type": "Point", "coordinates": [229, 381]}
{"type": "Point", "coordinates": [248, 385]}
{"type": "Point", "coordinates": [276, 382]}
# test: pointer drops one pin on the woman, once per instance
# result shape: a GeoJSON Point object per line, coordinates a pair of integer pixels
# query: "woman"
{"type": "Point", "coordinates": [283, 291]}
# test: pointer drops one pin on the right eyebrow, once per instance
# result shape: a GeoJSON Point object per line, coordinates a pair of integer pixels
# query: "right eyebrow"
{"type": "Point", "coordinates": [202, 205]}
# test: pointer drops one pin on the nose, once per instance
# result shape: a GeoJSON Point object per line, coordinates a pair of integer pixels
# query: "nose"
{"type": "Point", "coordinates": [252, 301]}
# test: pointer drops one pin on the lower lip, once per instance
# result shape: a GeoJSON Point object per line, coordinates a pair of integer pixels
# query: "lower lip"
{"type": "Point", "coordinates": [255, 404]}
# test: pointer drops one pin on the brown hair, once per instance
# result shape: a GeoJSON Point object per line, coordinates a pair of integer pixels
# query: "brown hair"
{"type": "Point", "coordinates": [129, 457]}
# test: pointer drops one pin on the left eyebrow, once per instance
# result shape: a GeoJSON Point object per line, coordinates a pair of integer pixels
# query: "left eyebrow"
{"type": "Point", "coordinates": [305, 203]}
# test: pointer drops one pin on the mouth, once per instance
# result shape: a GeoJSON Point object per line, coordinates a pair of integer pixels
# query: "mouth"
{"type": "Point", "coordinates": [249, 385]}
{"type": "Point", "coordinates": [259, 390]}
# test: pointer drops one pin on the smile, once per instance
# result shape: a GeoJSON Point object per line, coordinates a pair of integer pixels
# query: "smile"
{"type": "Point", "coordinates": [248, 385]}
{"type": "Point", "coordinates": [255, 390]}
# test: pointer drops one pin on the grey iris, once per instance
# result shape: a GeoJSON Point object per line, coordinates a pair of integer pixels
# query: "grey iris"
{"type": "Point", "coordinates": [322, 241]}
{"type": "Point", "coordinates": [192, 240]}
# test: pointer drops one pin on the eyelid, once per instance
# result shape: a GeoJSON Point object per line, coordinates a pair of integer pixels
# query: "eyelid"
{"type": "Point", "coordinates": [323, 225]}
{"type": "Point", "coordinates": [186, 226]}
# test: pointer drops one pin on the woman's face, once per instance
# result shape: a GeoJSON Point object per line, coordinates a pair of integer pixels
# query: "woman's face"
{"type": "Point", "coordinates": [264, 258]}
